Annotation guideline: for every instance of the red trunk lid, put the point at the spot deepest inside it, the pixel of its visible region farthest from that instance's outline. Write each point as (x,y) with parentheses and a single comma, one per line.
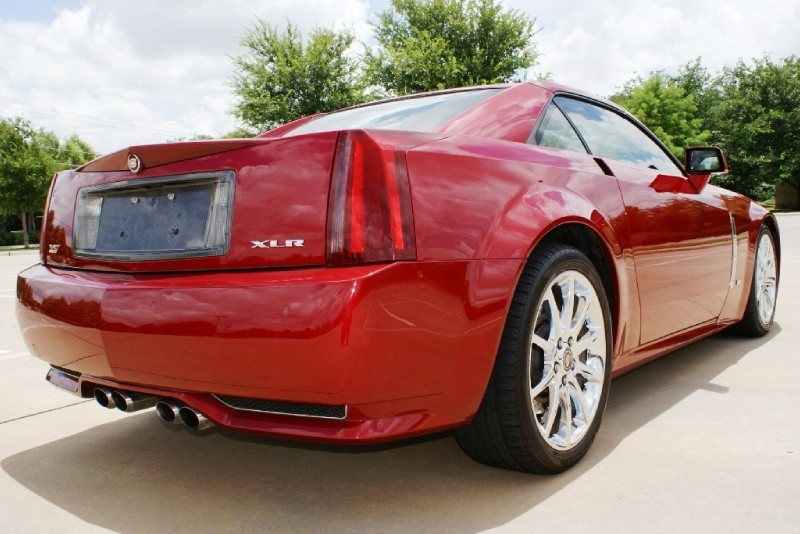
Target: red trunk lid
(157,218)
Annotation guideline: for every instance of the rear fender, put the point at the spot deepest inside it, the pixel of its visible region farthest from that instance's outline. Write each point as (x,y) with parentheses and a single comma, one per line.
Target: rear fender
(572,219)
(477,199)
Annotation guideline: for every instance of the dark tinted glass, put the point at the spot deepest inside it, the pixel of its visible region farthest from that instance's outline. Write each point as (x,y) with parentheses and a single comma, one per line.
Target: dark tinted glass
(419,114)
(611,135)
(555,131)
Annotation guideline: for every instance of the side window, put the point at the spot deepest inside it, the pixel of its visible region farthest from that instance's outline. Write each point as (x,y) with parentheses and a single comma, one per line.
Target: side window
(555,131)
(610,135)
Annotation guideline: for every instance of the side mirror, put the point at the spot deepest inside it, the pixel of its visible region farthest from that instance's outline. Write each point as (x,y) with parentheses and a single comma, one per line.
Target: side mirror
(701,161)
(705,160)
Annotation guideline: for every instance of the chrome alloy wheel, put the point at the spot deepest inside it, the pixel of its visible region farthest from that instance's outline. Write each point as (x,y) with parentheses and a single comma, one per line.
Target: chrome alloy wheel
(766,278)
(567,359)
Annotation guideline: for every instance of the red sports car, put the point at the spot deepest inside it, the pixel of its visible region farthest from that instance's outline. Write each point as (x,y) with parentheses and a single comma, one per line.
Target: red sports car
(482,260)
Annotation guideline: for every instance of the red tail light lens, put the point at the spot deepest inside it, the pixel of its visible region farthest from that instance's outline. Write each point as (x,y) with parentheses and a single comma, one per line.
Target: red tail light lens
(369,209)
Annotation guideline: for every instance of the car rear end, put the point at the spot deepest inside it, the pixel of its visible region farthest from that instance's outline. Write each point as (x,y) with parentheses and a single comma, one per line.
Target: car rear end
(270,285)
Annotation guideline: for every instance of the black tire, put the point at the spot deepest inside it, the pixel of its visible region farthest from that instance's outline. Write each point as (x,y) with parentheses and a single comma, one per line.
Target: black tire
(513,428)
(757,321)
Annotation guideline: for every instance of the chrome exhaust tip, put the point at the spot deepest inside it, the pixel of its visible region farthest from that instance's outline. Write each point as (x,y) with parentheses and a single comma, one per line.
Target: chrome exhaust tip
(132,402)
(194,419)
(168,411)
(103,397)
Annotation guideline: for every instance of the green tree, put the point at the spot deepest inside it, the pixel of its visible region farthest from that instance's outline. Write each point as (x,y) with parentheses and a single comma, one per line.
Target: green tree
(759,124)
(72,152)
(283,77)
(60,155)
(28,159)
(425,45)
(666,108)
(239,133)
(25,169)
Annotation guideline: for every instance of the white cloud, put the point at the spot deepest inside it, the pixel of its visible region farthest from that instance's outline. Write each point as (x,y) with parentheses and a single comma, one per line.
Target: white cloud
(121,73)
(597,46)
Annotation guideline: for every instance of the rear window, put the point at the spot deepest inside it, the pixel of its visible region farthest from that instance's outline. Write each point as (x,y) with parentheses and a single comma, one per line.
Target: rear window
(417,114)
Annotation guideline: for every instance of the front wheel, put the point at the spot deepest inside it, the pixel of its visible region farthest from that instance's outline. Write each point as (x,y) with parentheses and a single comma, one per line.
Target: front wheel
(760,310)
(548,390)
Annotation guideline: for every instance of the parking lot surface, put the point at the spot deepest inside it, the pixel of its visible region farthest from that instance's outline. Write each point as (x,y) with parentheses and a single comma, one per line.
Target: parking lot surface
(705,439)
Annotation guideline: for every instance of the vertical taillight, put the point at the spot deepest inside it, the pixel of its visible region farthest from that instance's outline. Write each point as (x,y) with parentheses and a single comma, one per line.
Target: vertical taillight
(369,209)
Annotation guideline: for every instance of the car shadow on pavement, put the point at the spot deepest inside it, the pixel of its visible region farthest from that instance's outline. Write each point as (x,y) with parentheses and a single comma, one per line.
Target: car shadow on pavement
(132,475)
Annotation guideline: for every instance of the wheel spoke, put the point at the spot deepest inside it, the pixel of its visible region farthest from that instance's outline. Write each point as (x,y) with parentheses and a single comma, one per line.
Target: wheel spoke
(768,301)
(577,325)
(590,374)
(586,341)
(555,314)
(546,345)
(767,257)
(543,383)
(552,408)
(567,417)
(568,305)
(579,395)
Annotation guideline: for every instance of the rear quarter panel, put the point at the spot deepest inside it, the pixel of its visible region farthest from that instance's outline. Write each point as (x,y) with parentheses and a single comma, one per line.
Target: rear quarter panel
(479,199)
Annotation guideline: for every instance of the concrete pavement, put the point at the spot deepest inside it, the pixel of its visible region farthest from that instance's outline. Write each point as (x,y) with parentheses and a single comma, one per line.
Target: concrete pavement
(706,439)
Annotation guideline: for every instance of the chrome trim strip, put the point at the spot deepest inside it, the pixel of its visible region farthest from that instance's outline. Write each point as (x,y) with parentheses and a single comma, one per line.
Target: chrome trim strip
(734,252)
(285,413)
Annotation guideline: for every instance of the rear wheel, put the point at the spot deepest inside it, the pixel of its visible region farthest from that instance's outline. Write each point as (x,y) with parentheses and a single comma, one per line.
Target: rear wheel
(549,386)
(760,311)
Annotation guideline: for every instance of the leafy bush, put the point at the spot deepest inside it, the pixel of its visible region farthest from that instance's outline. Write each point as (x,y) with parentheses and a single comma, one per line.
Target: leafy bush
(15,237)
(6,239)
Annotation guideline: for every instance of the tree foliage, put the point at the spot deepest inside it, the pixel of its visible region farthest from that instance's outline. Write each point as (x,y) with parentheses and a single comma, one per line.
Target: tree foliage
(24,166)
(422,45)
(425,45)
(283,77)
(759,122)
(699,83)
(666,108)
(752,110)
(28,159)
(72,152)
(239,133)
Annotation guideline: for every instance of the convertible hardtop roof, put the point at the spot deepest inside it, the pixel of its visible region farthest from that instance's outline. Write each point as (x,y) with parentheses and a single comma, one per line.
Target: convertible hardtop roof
(546,85)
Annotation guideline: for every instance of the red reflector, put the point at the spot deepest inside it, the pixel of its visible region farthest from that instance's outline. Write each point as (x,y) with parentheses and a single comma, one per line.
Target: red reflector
(369,210)
(396,223)
(357,233)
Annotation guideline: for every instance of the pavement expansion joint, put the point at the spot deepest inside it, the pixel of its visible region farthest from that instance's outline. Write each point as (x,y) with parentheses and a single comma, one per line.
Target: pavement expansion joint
(45,411)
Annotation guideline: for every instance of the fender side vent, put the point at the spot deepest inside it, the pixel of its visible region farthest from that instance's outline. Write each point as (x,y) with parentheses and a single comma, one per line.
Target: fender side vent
(319,411)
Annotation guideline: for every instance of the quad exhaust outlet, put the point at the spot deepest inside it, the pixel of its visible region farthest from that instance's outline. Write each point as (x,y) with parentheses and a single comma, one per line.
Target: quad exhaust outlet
(168,410)
(103,398)
(132,402)
(123,400)
(194,419)
(172,412)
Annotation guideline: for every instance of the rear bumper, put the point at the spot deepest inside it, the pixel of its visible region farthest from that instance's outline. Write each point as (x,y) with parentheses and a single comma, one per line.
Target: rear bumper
(406,347)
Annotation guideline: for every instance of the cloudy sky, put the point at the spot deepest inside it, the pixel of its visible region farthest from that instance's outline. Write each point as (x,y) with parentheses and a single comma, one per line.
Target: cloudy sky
(122,72)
